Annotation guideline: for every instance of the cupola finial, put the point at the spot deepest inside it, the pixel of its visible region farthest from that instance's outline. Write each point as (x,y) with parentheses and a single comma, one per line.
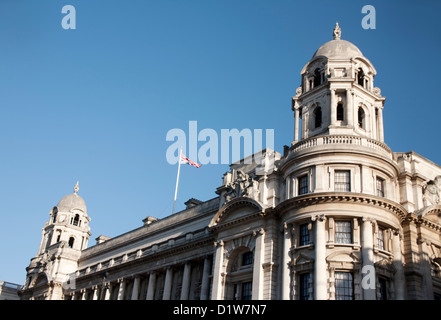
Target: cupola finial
(77,187)
(337,32)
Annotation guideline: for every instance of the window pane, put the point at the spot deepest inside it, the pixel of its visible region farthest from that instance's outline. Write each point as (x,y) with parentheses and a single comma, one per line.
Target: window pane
(247,288)
(304,286)
(304,235)
(247,258)
(342,181)
(380,239)
(344,287)
(343,232)
(303,184)
(380,187)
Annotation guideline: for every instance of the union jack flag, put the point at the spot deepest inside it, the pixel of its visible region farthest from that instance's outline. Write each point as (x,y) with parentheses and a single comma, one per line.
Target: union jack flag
(184,160)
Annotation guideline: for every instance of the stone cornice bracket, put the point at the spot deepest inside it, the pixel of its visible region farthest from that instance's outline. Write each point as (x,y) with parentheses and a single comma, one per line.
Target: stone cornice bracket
(258,232)
(219,243)
(317,217)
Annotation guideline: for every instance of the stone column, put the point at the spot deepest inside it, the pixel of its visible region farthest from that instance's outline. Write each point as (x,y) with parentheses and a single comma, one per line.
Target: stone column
(205,279)
(168,284)
(83,294)
(380,125)
(107,291)
(135,289)
(296,124)
(320,279)
(122,287)
(286,261)
(349,108)
(95,293)
(151,286)
(333,107)
(186,281)
(257,292)
(368,281)
(217,289)
(398,264)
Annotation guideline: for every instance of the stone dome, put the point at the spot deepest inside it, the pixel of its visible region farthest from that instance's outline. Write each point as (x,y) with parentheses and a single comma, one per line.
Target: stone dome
(338,49)
(72,201)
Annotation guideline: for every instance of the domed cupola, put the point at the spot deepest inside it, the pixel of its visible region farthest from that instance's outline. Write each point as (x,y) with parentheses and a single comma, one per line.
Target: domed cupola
(337,94)
(68,223)
(72,202)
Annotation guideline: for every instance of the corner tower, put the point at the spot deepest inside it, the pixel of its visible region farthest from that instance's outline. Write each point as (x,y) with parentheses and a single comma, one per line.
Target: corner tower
(64,236)
(337,95)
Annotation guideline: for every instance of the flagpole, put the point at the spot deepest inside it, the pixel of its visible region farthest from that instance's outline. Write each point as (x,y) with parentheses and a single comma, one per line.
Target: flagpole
(177,179)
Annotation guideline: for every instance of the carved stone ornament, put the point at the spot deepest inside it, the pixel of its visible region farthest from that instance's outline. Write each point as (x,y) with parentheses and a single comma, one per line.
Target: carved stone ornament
(244,186)
(298,91)
(337,32)
(432,192)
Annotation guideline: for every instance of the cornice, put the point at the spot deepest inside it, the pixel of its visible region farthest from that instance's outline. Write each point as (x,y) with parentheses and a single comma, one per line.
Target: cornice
(341,197)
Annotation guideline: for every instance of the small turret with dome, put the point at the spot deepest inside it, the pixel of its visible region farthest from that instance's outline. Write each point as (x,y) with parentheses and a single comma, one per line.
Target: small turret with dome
(337,94)
(69,222)
(64,236)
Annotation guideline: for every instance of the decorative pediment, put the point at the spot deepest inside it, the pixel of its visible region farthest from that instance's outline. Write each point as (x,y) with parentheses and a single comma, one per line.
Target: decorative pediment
(343,257)
(236,210)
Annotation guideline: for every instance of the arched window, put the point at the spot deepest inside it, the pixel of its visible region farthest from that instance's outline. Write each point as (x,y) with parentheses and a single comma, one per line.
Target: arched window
(76,220)
(317,78)
(361,118)
(340,111)
(360,77)
(317,117)
(71,242)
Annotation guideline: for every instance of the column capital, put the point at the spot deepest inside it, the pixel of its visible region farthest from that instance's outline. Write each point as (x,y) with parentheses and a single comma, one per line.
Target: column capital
(368,219)
(318,217)
(258,232)
(219,243)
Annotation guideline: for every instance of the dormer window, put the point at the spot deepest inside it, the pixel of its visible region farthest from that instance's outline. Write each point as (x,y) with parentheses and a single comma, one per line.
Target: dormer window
(317,78)
(360,77)
(75,220)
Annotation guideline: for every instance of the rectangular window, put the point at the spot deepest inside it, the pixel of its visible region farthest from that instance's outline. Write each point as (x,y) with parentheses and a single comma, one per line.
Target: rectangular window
(380,239)
(380,187)
(304,235)
(303,184)
(343,232)
(344,286)
(382,284)
(247,288)
(342,180)
(304,286)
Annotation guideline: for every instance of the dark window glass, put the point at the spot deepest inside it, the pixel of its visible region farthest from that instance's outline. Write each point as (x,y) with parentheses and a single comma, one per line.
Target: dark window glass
(247,289)
(382,284)
(340,112)
(304,235)
(304,286)
(344,286)
(317,117)
(303,184)
(247,258)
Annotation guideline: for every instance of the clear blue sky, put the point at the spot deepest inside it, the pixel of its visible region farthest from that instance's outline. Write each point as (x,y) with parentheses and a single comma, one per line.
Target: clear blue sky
(95,104)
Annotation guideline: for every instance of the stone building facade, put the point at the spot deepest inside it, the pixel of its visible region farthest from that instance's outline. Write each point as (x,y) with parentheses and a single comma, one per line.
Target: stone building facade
(337,216)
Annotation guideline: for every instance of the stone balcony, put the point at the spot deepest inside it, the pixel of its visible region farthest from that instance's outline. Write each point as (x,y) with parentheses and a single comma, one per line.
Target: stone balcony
(341,142)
